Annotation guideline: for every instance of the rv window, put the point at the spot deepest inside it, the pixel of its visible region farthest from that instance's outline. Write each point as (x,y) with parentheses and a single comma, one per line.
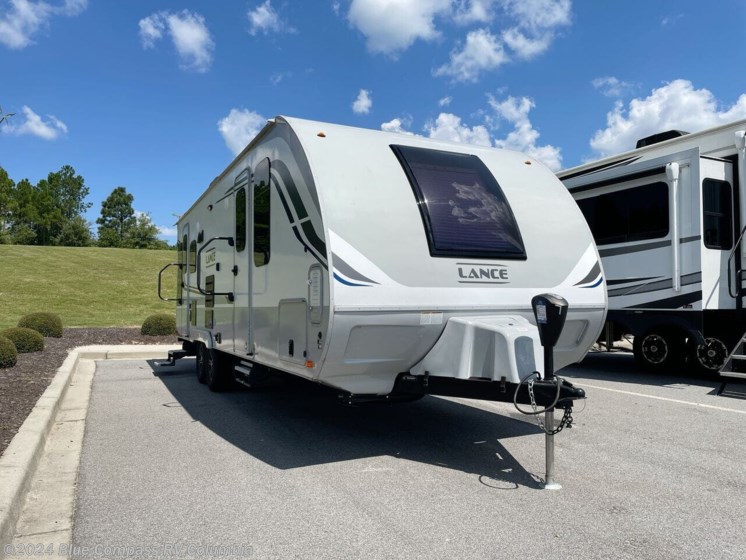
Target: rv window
(463,208)
(179,269)
(629,215)
(240,219)
(717,212)
(261,213)
(193,256)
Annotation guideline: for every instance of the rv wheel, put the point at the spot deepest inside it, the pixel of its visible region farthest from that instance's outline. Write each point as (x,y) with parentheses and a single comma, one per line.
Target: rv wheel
(215,374)
(201,363)
(657,350)
(712,354)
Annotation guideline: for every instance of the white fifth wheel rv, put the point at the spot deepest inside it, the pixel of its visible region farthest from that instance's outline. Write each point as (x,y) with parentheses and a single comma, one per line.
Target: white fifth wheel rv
(668,219)
(382,265)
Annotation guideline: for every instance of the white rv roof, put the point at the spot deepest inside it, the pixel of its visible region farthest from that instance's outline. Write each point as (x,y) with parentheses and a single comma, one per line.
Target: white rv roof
(716,141)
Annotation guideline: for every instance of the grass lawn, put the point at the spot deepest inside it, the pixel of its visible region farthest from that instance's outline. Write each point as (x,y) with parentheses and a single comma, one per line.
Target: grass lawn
(87,287)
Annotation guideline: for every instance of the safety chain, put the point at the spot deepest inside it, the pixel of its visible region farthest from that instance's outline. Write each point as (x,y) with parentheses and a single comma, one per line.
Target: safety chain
(565,422)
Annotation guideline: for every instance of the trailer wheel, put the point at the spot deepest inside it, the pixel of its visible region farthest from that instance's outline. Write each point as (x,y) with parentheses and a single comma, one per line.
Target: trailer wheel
(658,350)
(711,355)
(216,376)
(201,363)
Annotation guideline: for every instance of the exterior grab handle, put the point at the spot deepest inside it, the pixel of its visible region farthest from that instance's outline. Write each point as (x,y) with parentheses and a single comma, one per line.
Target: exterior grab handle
(160,274)
(199,268)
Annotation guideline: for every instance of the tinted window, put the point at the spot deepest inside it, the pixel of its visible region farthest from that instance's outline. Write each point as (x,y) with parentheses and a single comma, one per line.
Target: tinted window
(261,213)
(193,256)
(717,214)
(463,208)
(629,215)
(240,219)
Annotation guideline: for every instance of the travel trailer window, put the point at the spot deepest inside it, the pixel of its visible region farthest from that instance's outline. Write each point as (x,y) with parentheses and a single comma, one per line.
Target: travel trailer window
(717,213)
(240,219)
(463,208)
(629,215)
(193,256)
(261,213)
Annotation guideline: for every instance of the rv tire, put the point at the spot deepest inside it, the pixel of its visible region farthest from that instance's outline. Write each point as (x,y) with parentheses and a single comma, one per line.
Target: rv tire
(202,357)
(659,350)
(215,374)
(711,356)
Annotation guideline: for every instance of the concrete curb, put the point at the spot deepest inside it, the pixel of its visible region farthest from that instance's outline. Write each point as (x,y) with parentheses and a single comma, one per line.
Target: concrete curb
(21,458)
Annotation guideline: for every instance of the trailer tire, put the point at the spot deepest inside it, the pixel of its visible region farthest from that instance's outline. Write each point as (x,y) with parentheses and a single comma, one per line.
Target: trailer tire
(202,357)
(711,356)
(659,350)
(216,376)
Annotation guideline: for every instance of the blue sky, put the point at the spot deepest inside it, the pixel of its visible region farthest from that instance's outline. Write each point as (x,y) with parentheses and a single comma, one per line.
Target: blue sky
(158,96)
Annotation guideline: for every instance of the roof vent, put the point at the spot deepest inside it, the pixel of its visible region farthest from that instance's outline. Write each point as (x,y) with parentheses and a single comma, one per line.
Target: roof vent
(660,137)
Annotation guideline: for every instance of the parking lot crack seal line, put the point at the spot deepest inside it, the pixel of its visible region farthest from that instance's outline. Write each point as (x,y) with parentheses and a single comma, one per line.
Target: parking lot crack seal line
(678,401)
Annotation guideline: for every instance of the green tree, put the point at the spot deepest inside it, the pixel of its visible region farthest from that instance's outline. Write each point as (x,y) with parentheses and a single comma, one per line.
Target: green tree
(117,218)
(24,214)
(76,233)
(144,234)
(39,214)
(7,186)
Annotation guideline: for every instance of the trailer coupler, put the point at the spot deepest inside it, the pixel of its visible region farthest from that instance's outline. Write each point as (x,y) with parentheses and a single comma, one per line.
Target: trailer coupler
(544,391)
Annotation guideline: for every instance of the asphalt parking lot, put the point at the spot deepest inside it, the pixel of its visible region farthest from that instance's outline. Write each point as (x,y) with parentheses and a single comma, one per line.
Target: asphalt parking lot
(652,469)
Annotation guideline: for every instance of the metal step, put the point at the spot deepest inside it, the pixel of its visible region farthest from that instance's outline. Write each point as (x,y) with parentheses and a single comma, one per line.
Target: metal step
(173,355)
(734,374)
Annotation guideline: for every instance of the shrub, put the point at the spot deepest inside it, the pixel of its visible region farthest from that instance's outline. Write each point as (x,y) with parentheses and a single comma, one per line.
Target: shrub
(159,324)
(25,340)
(8,353)
(48,324)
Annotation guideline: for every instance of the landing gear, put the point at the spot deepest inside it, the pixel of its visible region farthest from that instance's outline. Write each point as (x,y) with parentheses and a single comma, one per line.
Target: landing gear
(711,355)
(659,350)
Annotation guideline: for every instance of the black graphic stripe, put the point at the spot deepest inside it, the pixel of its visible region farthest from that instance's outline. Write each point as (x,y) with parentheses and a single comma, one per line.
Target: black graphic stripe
(671,303)
(292,190)
(627,280)
(644,247)
(313,239)
(686,280)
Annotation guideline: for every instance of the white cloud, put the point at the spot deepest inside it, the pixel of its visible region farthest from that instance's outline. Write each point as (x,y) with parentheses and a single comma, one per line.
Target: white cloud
(671,19)
(277,77)
(445,101)
(673,106)
(363,103)
(33,125)
(524,137)
(449,127)
(466,12)
(265,19)
(398,125)
(392,26)
(536,24)
(168,231)
(189,34)
(612,87)
(24,18)
(481,52)
(239,128)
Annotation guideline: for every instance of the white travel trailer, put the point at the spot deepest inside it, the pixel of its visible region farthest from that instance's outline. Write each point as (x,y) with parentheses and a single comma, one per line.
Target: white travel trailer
(668,219)
(383,265)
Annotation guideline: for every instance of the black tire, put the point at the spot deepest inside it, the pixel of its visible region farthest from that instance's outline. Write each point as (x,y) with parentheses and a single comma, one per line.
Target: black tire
(201,365)
(216,376)
(711,356)
(659,350)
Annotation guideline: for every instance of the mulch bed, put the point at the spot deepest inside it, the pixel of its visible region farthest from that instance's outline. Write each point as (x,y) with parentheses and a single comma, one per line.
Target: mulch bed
(22,385)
